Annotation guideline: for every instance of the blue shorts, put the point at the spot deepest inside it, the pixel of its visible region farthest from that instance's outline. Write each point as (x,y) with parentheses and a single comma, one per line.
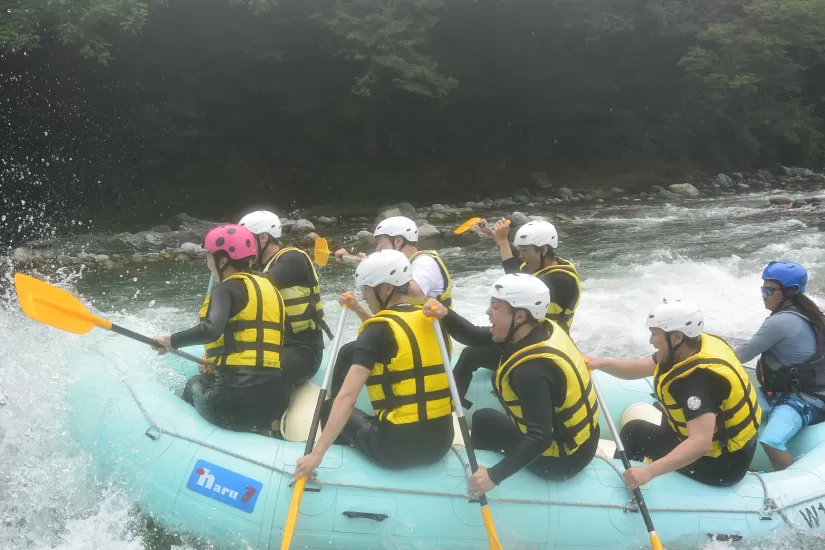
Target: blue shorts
(785,419)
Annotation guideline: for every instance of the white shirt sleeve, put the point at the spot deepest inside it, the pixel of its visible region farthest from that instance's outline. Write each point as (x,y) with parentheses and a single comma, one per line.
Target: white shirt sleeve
(427,274)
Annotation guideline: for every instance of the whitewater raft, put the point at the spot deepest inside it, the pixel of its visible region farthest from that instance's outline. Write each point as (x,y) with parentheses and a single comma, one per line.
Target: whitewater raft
(234,488)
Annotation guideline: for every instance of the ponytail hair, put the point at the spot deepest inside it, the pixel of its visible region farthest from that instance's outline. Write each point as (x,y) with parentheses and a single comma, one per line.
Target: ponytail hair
(810,310)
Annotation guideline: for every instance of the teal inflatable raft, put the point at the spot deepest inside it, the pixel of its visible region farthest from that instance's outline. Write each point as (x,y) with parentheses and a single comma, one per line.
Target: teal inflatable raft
(234,488)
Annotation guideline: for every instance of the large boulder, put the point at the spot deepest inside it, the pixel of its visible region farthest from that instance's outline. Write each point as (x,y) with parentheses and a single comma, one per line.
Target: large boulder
(522,196)
(518,218)
(781,199)
(406,208)
(308,240)
(23,256)
(389,213)
(303,226)
(723,179)
(438,208)
(743,186)
(191,248)
(685,189)
(428,231)
(326,220)
(566,193)
(365,237)
(439,216)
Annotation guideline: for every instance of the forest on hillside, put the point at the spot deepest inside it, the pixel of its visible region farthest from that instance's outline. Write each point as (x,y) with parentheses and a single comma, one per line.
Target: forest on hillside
(126,110)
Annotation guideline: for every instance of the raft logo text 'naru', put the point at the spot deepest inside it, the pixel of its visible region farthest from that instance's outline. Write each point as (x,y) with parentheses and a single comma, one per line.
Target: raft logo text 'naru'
(224,485)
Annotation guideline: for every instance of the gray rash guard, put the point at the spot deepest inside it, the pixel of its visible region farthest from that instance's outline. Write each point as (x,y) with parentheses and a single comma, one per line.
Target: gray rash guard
(789,338)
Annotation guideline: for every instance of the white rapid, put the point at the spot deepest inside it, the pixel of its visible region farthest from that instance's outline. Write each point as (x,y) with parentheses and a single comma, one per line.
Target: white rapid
(630,257)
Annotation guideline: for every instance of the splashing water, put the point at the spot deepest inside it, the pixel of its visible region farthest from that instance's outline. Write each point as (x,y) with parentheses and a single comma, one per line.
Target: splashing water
(711,252)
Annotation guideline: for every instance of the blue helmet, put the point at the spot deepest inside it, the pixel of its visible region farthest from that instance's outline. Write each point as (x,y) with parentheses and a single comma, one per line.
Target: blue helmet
(787,274)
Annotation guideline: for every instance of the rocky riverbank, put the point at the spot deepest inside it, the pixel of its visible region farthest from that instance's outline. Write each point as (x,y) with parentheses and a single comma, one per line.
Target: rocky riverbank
(179,239)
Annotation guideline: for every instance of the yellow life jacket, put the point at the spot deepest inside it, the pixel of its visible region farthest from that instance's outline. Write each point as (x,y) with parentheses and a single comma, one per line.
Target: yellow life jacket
(738,420)
(413,387)
(253,337)
(555,312)
(445,297)
(304,308)
(578,416)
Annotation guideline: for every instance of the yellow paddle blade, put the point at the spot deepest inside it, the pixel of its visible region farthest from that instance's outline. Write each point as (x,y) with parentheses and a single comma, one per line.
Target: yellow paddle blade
(492,537)
(292,515)
(54,306)
(464,227)
(322,252)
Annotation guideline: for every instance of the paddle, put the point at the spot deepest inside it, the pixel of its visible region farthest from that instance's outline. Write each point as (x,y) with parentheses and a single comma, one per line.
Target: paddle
(492,537)
(57,308)
(211,282)
(298,490)
(469,224)
(323,253)
(655,543)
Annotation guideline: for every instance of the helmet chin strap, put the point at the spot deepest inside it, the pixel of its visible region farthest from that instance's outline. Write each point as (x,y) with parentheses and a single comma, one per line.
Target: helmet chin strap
(382,303)
(513,328)
(671,349)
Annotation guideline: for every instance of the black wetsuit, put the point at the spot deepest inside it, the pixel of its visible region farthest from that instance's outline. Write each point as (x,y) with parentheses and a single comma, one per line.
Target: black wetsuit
(563,291)
(302,353)
(240,399)
(538,387)
(387,444)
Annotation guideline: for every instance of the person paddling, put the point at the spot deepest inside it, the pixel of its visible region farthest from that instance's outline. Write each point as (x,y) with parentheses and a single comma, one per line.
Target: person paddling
(291,272)
(551,419)
(396,356)
(430,277)
(533,252)
(791,366)
(710,410)
(241,328)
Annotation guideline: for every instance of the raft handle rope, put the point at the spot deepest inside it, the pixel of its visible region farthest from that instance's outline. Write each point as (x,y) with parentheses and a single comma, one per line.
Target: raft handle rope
(155,431)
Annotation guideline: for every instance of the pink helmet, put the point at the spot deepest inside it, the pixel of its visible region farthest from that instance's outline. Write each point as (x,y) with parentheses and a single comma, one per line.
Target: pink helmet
(236,240)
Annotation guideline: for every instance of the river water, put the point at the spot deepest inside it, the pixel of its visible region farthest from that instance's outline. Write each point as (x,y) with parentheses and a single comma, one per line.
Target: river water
(630,257)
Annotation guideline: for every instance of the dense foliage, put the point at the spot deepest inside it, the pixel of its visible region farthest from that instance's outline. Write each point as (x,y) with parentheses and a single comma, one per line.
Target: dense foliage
(209,105)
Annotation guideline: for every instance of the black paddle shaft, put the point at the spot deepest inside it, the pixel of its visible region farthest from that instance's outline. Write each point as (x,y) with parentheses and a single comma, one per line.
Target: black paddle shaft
(637,493)
(471,454)
(146,340)
(316,420)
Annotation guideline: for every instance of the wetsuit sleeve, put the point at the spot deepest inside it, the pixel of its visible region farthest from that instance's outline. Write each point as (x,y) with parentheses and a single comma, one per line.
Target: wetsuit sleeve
(375,344)
(291,269)
(563,289)
(227,299)
(465,332)
(700,393)
(512,265)
(532,383)
(769,334)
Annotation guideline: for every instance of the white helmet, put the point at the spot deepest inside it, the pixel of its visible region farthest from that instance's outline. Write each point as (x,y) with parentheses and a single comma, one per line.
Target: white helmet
(261,222)
(538,233)
(398,226)
(523,291)
(384,266)
(677,316)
